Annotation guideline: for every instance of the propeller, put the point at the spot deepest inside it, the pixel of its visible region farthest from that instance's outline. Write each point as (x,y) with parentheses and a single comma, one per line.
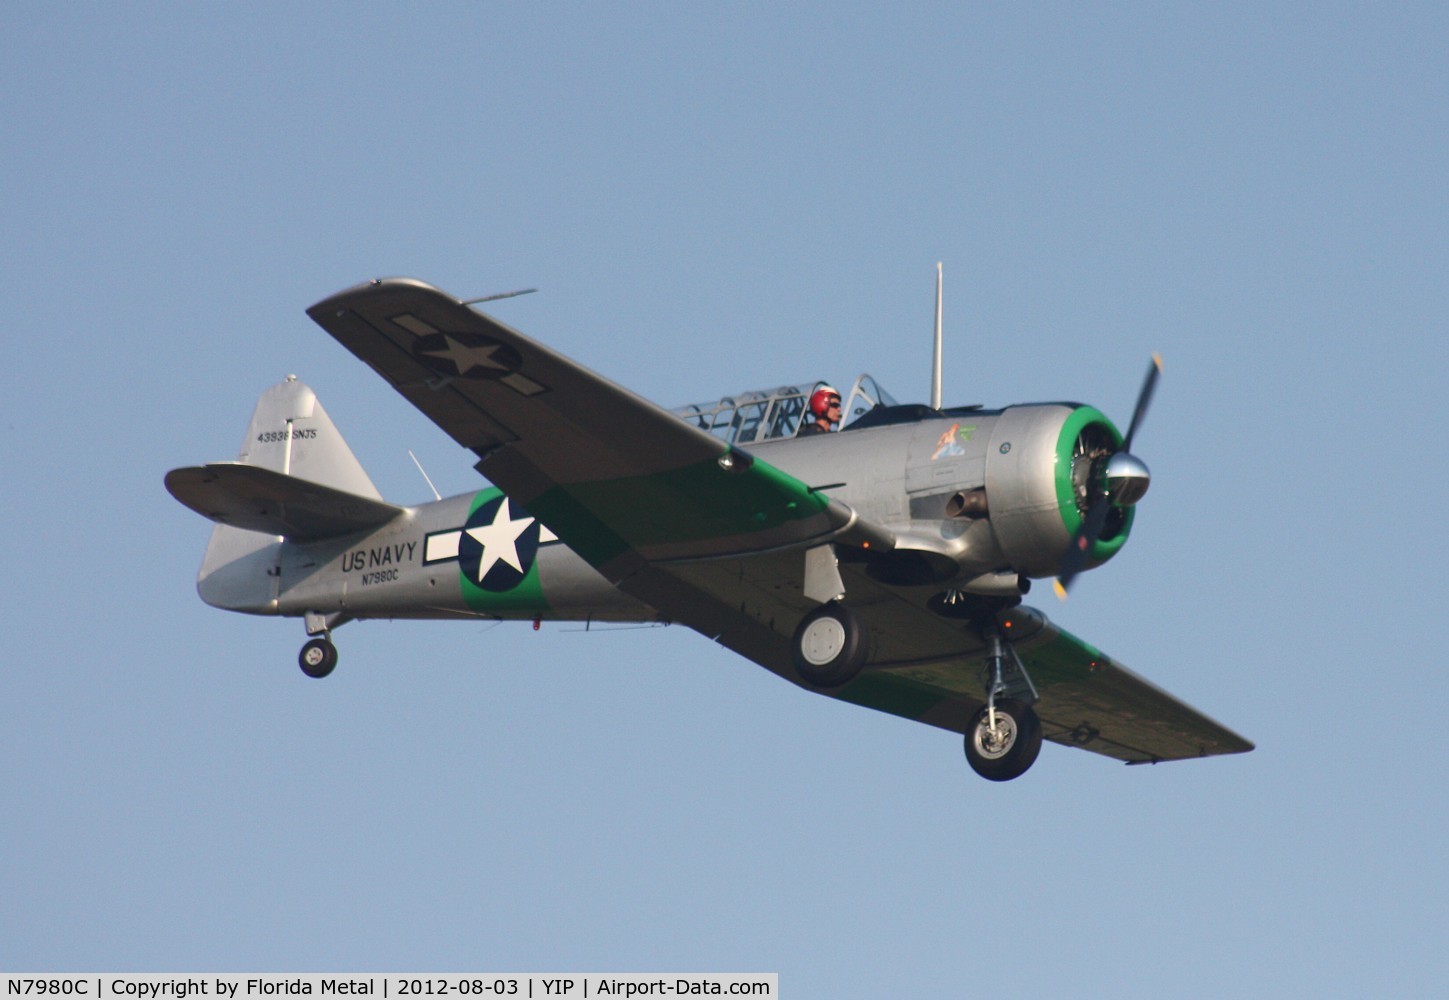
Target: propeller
(1119,479)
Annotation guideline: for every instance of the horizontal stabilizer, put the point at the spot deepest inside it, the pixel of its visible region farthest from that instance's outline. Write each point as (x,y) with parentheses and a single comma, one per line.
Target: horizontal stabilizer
(257,499)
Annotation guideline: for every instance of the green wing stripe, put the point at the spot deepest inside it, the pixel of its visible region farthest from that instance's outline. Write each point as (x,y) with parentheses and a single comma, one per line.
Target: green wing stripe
(692,512)
(886,692)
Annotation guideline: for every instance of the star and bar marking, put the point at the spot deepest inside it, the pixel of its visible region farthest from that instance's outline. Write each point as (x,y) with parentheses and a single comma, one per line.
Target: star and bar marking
(495,549)
(466,358)
(468,355)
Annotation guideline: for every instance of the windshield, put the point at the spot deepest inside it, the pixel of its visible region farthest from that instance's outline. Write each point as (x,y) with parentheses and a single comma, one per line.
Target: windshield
(775,414)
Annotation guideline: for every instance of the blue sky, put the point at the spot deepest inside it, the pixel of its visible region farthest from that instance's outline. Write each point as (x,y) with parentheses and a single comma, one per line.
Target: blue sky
(714,198)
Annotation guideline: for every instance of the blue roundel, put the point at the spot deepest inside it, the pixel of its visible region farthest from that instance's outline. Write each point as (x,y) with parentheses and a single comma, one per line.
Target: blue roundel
(498,545)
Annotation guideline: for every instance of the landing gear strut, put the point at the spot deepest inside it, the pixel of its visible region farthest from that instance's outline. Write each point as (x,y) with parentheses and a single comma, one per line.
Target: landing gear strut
(1004,737)
(318,657)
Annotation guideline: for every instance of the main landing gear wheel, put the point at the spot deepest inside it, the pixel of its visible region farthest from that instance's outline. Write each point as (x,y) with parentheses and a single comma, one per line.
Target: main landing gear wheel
(1008,751)
(829,646)
(318,658)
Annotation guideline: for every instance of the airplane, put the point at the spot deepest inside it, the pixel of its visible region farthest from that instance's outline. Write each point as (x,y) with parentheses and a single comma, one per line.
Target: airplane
(883,564)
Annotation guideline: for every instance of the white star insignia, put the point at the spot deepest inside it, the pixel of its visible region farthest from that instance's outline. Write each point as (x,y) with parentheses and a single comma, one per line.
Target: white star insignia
(499,540)
(466,358)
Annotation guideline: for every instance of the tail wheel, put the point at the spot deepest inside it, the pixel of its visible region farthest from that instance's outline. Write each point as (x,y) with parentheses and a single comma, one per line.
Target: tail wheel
(1007,751)
(829,646)
(318,658)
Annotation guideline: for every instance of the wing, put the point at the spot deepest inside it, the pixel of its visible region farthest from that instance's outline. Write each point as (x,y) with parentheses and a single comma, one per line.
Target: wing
(623,482)
(930,668)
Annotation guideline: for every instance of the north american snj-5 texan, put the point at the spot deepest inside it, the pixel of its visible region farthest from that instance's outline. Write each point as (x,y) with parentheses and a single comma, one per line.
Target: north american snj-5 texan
(882,562)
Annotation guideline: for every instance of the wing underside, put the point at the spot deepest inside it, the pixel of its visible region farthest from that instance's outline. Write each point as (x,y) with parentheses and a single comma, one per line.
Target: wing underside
(931,669)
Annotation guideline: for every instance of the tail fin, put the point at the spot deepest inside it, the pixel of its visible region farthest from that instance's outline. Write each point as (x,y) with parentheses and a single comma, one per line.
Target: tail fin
(291,434)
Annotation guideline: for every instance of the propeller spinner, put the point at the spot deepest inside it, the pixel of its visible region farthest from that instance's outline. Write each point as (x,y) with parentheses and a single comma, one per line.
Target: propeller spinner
(1115,479)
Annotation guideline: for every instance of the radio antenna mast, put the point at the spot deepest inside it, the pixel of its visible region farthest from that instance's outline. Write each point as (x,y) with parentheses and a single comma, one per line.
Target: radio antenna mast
(436,494)
(936,355)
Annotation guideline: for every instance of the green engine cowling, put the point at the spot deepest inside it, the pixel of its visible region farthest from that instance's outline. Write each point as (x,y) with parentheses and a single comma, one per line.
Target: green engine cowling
(1041,466)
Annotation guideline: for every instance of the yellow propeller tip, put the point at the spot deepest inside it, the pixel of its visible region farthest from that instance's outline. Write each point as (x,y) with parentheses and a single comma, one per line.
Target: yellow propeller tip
(1157,360)
(1060,590)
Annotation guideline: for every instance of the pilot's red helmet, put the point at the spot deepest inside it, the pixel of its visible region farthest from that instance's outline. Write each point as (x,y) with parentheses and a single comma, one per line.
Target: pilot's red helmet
(820,400)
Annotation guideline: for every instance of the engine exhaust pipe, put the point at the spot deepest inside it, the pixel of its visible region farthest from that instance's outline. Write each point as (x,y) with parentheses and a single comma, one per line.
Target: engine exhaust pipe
(1000,584)
(967,503)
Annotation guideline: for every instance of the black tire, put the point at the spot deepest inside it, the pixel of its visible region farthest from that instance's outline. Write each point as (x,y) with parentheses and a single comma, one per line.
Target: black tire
(829,646)
(318,658)
(1009,758)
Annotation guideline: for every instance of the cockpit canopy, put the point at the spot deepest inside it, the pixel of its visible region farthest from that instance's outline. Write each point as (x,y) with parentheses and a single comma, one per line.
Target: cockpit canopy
(774,414)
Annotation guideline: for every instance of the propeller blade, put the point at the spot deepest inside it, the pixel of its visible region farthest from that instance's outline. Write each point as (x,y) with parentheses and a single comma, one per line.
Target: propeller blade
(1087,534)
(1144,399)
(1131,476)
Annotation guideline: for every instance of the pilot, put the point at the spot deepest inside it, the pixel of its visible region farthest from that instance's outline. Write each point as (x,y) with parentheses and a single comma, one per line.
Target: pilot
(824,411)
